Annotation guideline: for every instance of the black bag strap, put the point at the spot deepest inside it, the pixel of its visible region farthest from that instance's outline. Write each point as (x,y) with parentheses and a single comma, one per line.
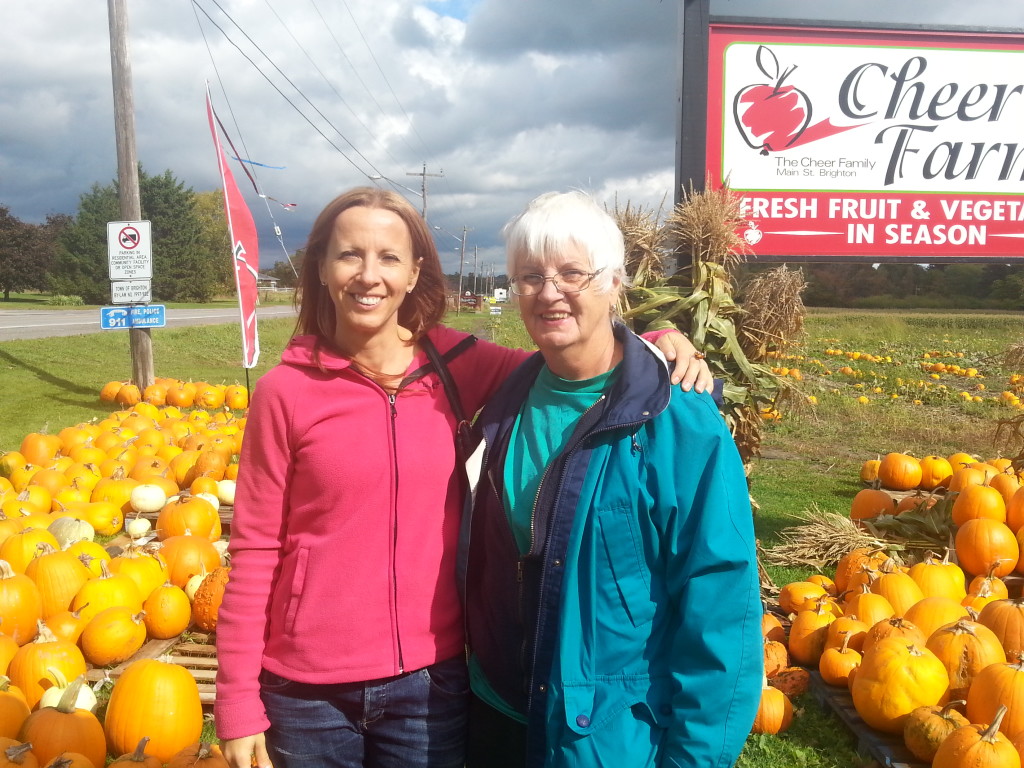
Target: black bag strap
(439,364)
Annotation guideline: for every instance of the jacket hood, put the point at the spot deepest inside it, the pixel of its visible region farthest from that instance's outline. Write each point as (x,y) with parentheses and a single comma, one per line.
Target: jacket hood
(309,352)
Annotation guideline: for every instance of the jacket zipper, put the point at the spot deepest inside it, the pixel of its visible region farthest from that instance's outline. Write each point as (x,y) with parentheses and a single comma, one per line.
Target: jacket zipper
(540,588)
(394,536)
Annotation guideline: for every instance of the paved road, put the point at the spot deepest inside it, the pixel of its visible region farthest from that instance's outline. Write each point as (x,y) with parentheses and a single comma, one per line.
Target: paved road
(41,323)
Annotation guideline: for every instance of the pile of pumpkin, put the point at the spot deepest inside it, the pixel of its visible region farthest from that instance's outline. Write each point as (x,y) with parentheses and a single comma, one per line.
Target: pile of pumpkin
(912,645)
(66,603)
(180,394)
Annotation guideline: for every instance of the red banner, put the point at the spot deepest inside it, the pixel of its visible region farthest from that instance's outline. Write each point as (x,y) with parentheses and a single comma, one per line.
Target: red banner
(245,250)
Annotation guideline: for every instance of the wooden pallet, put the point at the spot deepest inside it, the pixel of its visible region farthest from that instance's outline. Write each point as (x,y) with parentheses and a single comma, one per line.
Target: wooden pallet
(193,650)
(888,750)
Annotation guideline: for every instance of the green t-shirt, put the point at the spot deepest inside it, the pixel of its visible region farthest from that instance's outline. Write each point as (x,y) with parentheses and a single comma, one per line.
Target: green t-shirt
(542,429)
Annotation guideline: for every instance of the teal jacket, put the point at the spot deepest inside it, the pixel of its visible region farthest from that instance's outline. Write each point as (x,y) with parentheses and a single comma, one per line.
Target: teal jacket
(629,635)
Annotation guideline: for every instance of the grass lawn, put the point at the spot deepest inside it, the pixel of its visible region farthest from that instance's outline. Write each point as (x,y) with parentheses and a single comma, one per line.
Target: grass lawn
(870,372)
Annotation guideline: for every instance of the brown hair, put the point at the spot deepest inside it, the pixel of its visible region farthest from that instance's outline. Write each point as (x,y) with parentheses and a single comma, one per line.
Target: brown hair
(422,308)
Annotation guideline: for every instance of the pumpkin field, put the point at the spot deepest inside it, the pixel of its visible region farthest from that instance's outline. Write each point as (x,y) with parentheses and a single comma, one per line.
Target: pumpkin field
(887,510)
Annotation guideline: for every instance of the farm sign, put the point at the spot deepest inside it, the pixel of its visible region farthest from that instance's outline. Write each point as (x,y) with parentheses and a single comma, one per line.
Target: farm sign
(882,145)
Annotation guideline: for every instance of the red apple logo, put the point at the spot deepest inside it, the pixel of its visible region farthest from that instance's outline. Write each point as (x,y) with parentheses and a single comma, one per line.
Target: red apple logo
(752,234)
(771,116)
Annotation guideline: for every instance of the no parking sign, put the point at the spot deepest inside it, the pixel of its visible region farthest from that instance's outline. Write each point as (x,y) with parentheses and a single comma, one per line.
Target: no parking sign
(129,250)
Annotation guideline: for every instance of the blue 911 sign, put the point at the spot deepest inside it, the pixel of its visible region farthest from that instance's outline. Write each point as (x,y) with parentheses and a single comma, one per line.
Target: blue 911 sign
(143,316)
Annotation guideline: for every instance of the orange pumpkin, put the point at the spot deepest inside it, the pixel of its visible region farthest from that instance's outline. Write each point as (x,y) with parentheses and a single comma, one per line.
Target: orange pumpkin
(927,727)
(978,745)
(965,648)
(199,755)
(207,599)
(65,728)
(939,577)
(836,664)
(21,605)
(188,555)
(871,502)
(899,471)
(975,501)
(30,666)
(936,472)
(807,634)
(995,686)
(155,699)
(934,612)
(1006,619)
(774,712)
(894,679)
(984,545)
(13,709)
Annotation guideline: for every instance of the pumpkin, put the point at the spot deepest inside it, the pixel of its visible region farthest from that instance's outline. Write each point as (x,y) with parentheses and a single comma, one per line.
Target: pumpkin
(774,712)
(32,663)
(984,545)
(168,612)
(66,625)
(964,477)
(145,567)
(1006,619)
(199,755)
(939,577)
(53,730)
(68,530)
(19,548)
(40,448)
(14,709)
(965,648)
(1007,484)
(106,591)
(807,634)
(772,629)
(71,760)
(894,679)
(998,685)
(850,564)
(14,754)
(869,607)
(155,699)
(92,554)
(871,502)
(236,397)
(934,612)
(187,555)
(188,513)
(58,575)
(1015,511)
(8,647)
(977,501)
(51,696)
(148,498)
(869,470)
(138,758)
(207,599)
(847,629)
(897,587)
(899,471)
(977,600)
(978,746)
(792,681)
(896,627)
(836,664)
(927,727)
(995,585)
(113,635)
(21,605)
(936,472)
(776,657)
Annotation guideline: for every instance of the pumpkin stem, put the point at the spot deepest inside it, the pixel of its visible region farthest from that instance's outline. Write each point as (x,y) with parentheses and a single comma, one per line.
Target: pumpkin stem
(992,731)
(952,705)
(45,634)
(58,677)
(6,572)
(846,642)
(69,698)
(17,753)
(140,751)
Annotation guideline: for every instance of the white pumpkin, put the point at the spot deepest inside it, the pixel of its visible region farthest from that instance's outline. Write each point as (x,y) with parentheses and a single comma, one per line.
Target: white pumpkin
(147,498)
(226,492)
(214,501)
(137,527)
(86,698)
(68,530)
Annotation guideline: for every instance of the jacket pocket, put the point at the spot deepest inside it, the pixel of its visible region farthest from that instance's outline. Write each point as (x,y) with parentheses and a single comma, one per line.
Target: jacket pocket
(297,583)
(624,547)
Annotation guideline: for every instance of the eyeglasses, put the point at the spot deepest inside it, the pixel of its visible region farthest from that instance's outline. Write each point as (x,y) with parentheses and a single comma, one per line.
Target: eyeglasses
(566,281)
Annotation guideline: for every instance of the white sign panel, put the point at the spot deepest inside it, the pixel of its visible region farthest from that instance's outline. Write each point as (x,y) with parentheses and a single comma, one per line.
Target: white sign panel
(129,250)
(131,291)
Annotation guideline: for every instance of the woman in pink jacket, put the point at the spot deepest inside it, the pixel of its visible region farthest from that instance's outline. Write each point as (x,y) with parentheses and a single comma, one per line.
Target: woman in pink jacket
(340,638)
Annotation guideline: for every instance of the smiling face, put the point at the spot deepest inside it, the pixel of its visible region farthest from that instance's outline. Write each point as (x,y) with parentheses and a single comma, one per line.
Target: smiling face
(572,330)
(368,270)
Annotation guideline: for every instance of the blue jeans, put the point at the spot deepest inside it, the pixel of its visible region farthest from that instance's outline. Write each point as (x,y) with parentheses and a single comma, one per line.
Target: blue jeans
(415,720)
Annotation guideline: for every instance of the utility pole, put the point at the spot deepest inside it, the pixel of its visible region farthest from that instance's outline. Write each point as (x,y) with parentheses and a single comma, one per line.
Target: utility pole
(462,264)
(139,340)
(476,266)
(423,185)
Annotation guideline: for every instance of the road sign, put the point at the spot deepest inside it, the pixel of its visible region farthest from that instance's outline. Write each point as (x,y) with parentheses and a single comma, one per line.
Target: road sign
(131,291)
(129,250)
(143,316)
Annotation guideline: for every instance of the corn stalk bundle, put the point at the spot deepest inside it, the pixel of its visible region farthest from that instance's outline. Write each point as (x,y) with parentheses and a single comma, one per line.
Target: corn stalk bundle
(699,300)
(821,539)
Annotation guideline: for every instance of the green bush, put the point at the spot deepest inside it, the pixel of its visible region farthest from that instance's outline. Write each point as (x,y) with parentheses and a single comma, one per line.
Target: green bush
(63,300)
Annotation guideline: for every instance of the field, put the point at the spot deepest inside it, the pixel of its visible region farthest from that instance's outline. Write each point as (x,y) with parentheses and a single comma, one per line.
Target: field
(867,383)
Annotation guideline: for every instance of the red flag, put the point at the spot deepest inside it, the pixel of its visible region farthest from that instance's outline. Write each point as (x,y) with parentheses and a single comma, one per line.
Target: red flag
(244,249)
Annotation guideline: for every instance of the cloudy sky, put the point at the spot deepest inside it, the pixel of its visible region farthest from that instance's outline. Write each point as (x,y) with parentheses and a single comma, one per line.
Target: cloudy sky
(505,98)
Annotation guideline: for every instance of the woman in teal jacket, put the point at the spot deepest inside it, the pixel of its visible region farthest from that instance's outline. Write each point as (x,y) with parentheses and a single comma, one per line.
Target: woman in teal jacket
(608,561)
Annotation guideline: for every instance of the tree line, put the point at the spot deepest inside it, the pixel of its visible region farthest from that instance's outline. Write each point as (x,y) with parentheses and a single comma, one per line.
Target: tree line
(67,255)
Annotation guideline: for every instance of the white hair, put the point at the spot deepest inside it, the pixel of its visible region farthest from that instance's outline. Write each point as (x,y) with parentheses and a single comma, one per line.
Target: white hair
(554,220)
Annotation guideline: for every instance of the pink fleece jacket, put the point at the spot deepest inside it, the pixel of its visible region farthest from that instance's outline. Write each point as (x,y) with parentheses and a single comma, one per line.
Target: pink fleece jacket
(345,526)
